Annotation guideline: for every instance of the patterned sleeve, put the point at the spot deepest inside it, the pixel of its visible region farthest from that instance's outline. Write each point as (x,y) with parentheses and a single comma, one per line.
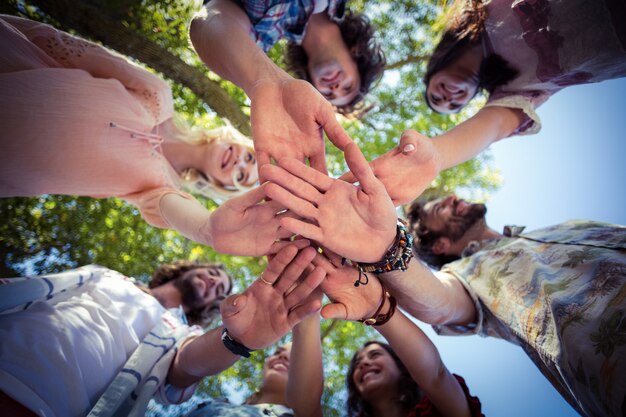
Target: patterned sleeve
(527,102)
(168,394)
(73,52)
(148,203)
(457,330)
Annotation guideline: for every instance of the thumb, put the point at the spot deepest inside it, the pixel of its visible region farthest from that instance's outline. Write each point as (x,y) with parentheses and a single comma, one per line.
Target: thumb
(334,311)
(348,177)
(233,305)
(408,142)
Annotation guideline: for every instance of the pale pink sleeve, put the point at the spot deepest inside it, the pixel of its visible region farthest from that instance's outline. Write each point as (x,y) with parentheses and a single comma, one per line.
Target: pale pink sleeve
(148,203)
(73,52)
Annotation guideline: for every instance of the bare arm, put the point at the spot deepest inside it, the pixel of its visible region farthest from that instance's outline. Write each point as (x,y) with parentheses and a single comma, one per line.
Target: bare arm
(286,114)
(408,169)
(432,298)
(306,374)
(474,135)
(422,359)
(219,35)
(257,318)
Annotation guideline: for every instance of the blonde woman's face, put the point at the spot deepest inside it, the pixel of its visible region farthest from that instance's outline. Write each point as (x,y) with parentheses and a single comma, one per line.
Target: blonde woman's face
(227,162)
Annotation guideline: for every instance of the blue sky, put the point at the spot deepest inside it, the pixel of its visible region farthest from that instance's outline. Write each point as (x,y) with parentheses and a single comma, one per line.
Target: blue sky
(574,168)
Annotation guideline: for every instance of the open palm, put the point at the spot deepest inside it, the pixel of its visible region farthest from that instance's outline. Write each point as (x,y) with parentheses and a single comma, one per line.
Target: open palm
(288,120)
(264,313)
(358,223)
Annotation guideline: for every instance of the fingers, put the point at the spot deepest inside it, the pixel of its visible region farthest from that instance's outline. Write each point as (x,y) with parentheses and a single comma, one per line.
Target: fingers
(336,134)
(292,183)
(249,199)
(278,264)
(348,177)
(294,270)
(322,262)
(318,162)
(299,206)
(263,158)
(307,174)
(233,305)
(305,288)
(360,168)
(408,141)
(299,313)
(335,311)
(302,228)
(278,246)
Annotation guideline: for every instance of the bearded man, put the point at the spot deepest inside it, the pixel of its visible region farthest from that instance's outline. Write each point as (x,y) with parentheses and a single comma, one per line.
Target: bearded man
(558,292)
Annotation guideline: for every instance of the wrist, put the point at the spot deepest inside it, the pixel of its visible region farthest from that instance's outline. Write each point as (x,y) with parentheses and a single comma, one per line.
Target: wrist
(267,73)
(397,256)
(386,309)
(234,346)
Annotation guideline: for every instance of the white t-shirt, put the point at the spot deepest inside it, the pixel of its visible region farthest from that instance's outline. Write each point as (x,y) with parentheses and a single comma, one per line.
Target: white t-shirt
(59,356)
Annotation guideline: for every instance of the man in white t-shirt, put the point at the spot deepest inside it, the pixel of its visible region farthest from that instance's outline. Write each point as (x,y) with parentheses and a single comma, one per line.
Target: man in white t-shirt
(90,339)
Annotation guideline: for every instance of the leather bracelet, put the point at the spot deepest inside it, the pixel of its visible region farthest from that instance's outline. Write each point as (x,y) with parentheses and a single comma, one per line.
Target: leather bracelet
(397,257)
(379,319)
(234,346)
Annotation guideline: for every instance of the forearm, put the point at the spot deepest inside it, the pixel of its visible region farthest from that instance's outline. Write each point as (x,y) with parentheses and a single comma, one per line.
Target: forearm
(220,37)
(432,299)
(202,356)
(306,374)
(188,217)
(474,135)
(420,356)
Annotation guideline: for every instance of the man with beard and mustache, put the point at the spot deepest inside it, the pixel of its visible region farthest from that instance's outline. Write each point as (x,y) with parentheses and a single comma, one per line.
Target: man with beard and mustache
(90,339)
(558,292)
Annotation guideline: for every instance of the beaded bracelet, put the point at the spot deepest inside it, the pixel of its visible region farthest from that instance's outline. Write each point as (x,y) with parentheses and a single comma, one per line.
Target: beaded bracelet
(397,257)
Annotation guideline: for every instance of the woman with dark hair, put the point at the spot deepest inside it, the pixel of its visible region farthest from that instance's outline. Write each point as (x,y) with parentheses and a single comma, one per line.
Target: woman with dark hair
(406,377)
(520,53)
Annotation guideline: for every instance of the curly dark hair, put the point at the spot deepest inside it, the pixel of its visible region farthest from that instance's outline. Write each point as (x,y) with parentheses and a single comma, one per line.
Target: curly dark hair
(409,393)
(424,239)
(464,30)
(358,34)
(169,272)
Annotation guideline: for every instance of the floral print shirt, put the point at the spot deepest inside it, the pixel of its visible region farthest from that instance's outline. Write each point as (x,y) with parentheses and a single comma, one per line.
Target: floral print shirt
(553,44)
(273,20)
(559,293)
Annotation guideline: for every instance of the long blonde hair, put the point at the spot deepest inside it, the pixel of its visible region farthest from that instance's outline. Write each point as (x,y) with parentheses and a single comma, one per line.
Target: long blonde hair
(195,181)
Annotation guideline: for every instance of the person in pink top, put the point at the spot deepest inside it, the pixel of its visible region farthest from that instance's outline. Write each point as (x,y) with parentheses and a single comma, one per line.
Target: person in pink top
(79,119)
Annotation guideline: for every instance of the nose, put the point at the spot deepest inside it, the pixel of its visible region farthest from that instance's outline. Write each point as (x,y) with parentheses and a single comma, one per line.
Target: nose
(449,200)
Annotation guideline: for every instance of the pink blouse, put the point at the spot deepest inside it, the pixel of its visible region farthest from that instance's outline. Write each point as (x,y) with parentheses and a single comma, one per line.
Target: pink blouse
(79,119)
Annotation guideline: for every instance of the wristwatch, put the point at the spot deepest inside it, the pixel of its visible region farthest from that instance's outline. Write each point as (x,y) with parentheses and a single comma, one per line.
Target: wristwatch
(235,347)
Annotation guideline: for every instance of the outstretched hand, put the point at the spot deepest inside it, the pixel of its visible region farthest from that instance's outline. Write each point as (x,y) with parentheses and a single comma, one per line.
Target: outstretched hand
(347,301)
(248,226)
(277,301)
(289,118)
(406,170)
(356,222)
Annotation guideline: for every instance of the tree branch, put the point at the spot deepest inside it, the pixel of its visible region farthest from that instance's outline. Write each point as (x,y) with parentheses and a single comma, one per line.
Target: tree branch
(414,59)
(90,21)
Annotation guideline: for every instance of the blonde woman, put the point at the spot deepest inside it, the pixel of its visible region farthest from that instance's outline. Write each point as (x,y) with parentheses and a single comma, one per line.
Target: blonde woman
(79,119)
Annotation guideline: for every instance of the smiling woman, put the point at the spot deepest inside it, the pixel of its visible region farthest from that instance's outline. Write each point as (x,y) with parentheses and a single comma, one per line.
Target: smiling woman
(83,120)
(217,163)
